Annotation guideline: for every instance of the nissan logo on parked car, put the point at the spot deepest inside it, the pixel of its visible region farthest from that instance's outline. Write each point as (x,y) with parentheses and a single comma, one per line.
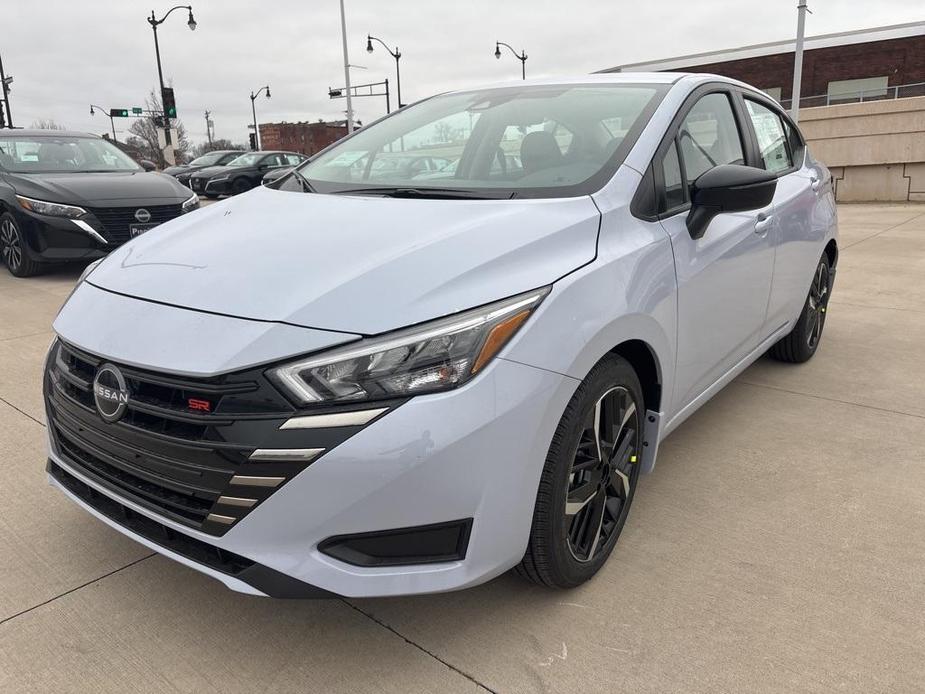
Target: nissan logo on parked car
(142,215)
(110,393)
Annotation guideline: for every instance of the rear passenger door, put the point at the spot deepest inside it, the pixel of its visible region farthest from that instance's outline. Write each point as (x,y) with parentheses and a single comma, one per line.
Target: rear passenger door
(724,277)
(780,150)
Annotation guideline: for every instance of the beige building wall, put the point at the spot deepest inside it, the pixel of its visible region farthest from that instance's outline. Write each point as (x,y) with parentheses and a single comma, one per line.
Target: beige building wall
(875,149)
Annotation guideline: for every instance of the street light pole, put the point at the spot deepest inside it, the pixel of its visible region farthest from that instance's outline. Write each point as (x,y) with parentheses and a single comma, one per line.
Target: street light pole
(112,121)
(802,9)
(395,54)
(343,31)
(208,129)
(6,95)
(522,56)
(155,23)
(254,113)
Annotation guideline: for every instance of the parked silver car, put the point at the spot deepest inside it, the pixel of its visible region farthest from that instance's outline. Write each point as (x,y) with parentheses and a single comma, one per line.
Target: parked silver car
(367,385)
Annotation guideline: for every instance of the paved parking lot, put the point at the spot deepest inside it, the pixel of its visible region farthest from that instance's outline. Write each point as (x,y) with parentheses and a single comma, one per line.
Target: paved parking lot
(778,546)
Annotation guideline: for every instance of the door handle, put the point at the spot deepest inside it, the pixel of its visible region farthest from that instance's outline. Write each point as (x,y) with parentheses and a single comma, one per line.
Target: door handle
(763,223)
(816,183)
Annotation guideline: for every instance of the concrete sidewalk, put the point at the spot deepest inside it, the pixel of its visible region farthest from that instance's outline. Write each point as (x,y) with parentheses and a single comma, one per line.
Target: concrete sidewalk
(778,546)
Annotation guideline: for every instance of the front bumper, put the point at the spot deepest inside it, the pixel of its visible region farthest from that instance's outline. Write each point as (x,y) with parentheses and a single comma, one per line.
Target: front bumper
(473,453)
(57,239)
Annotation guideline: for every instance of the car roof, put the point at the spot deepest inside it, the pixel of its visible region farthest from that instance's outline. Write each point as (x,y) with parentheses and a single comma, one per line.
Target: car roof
(37,132)
(628,78)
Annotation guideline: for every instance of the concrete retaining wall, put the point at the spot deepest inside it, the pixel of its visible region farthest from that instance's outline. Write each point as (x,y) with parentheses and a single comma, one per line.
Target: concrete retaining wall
(875,149)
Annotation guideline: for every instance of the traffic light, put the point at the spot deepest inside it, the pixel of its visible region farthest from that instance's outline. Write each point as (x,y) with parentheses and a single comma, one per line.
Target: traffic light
(118,113)
(170,106)
(253,137)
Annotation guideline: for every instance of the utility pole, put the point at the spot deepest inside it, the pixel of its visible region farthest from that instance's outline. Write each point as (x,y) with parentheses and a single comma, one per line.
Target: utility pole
(343,30)
(802,9)
(6,94)
(208,128)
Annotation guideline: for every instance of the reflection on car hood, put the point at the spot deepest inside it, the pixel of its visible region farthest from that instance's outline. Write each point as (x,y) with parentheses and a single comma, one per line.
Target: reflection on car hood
(101,188)
(352,263)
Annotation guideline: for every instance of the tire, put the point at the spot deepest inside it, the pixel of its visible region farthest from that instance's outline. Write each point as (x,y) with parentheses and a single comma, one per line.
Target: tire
(801,343)
(582,503)
(240,185)
(12,248)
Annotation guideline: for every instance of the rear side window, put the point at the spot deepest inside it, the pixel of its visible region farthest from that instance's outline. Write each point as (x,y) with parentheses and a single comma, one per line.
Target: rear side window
(772,139)
(709,136)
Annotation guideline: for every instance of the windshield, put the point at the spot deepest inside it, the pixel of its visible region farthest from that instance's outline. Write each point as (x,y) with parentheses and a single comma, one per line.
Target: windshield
(62,154)
(249,159)
(210,159)
(532,141)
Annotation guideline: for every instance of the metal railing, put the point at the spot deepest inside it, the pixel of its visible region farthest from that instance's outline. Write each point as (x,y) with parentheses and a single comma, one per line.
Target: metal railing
(896,92)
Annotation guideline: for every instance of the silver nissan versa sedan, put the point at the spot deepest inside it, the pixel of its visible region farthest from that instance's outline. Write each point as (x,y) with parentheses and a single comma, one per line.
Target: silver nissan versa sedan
(374,378)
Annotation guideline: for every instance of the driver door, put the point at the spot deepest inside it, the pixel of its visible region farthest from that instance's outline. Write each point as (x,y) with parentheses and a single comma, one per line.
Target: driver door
(724,277)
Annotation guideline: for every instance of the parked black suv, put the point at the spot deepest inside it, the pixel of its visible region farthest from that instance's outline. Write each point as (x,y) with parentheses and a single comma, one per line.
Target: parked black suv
(72,196)
(242,173)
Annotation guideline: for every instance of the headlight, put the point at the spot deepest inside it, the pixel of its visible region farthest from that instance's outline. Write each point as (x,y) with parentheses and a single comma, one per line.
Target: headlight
(435,356)
(52,209)
(191,204)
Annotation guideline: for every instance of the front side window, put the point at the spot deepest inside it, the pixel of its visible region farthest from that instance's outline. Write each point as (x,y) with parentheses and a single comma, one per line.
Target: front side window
(675,194)
(532,141)
(772,140)
(709,136)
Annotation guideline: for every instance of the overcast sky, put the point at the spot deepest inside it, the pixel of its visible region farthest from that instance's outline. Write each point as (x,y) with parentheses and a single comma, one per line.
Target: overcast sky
(65,54)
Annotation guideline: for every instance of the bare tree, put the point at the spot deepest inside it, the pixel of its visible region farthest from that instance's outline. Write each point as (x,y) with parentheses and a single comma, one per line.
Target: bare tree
(144,134)
(47,124)
(220,143)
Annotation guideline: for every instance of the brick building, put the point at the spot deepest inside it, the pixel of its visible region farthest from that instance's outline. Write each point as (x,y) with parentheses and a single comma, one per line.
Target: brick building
(305,138)
(886,62)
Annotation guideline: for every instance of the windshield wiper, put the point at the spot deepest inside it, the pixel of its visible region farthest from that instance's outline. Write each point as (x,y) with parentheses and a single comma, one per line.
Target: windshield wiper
(437,193)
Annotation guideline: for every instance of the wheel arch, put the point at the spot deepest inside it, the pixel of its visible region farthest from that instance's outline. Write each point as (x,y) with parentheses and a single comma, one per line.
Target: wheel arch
(642,357)
(831,251)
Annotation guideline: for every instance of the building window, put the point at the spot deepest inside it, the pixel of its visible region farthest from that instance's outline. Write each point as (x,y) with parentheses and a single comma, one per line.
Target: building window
(845,91)
(773,92)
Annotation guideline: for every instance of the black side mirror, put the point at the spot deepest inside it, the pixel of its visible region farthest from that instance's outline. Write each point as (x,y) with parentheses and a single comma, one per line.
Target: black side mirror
(728,188)
(148,165)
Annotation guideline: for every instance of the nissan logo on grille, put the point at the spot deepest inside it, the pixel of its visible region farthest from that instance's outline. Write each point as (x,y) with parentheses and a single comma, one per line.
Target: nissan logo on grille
(142,215)
(110,393)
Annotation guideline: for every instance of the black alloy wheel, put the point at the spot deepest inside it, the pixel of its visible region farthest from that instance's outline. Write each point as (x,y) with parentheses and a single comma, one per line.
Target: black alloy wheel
(801,343)
(240,185)
(589,478)
(603,474)
(11,246)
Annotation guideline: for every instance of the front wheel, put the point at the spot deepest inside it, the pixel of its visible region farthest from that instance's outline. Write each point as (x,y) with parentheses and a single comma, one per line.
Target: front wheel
(589,478)
(240,185)
(801,343)
(12,246)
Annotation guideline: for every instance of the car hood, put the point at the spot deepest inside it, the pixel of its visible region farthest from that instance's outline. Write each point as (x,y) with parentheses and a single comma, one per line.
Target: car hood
(356,264)
(101,188)
(179,168)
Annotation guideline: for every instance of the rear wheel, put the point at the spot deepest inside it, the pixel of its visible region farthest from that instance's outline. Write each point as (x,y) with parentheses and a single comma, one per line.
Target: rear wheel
(589,478)
(12,247)
(801,343)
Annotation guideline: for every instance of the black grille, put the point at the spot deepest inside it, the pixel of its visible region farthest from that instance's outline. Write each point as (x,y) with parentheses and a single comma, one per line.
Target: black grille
(179,441)
(117,220)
